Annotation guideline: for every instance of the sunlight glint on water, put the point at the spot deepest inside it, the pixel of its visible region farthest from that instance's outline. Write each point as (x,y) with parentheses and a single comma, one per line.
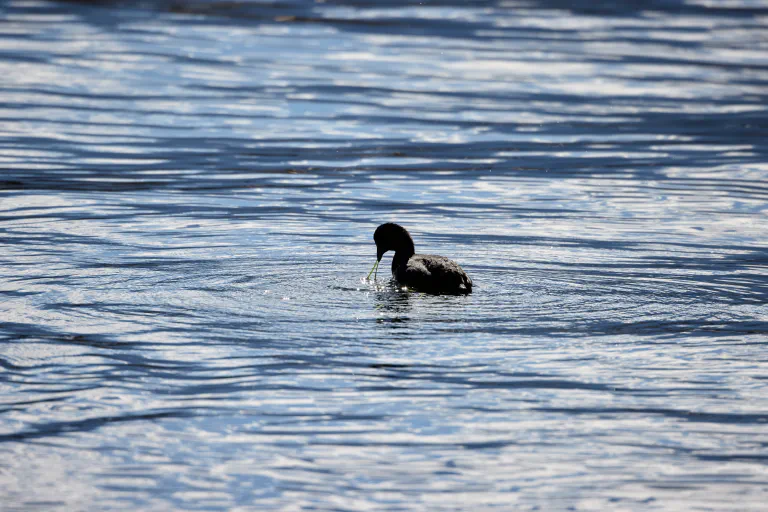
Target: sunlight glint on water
(188,195)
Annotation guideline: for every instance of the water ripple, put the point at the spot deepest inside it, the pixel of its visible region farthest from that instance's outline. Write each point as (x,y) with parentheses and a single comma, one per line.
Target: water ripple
(188,192)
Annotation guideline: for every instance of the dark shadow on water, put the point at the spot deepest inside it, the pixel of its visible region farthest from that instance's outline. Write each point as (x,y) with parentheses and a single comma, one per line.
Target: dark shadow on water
(59,428)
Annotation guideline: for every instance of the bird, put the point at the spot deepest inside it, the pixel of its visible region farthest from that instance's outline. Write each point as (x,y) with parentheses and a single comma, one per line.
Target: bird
(423,272)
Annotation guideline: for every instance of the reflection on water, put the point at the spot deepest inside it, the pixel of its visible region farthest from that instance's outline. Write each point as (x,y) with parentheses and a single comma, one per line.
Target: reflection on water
(188,193)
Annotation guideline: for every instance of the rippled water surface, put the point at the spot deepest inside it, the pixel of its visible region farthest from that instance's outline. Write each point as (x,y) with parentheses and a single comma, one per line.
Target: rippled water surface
(188,193)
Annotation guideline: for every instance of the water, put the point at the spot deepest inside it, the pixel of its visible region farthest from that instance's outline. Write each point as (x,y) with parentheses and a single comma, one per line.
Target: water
(188,198)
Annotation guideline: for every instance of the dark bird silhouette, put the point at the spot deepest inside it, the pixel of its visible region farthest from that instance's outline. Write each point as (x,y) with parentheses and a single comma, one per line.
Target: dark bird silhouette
(423,272)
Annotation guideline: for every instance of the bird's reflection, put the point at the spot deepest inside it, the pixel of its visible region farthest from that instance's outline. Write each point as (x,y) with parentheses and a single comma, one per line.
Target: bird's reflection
(393,303)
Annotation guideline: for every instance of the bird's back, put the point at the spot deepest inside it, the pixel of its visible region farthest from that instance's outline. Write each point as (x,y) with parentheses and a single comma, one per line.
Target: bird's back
(430,272)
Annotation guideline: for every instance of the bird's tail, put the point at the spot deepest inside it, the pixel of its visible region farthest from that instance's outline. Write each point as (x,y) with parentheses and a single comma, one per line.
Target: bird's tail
(467,282)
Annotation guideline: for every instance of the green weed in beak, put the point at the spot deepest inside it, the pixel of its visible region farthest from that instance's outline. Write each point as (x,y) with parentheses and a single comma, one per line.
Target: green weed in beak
(375,268)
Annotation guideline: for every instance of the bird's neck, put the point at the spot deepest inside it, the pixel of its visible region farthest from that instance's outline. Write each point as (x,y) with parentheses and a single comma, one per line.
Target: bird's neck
(403,253)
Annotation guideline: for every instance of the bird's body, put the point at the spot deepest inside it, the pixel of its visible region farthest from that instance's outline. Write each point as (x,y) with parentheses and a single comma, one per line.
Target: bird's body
(424,272)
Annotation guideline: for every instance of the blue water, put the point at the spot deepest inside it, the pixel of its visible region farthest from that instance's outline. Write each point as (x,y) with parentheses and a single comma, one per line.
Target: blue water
(188,194)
